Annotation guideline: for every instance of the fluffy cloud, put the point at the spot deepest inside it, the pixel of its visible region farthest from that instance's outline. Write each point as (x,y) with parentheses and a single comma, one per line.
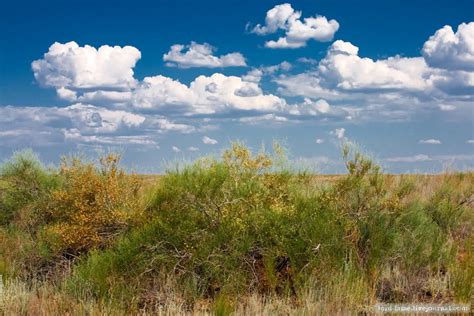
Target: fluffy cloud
(320,110)
(73,67)
(162,92)
(175,149)
(66,94)
(319,140)
(449,50)
(446,107)
(209,141)
(99,120)
(343,69)
(310,107)
(297,32)
(271,117)
(415,158)
(200,55)
(219,92)
(338,132)
(276,18)
(205,95)
(430,141)
(163,124)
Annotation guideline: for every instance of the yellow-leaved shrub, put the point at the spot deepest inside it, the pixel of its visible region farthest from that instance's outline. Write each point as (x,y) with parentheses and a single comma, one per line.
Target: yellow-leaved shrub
(94,205)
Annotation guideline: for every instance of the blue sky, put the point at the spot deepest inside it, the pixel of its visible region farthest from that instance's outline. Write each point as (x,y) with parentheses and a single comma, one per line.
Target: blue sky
(164,81)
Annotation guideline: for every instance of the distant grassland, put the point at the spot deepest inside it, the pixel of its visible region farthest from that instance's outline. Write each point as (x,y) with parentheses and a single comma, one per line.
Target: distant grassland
(243,234)
(426,184)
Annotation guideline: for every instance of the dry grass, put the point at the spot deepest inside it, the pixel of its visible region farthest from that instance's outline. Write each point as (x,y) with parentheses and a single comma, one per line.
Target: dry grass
(42,299)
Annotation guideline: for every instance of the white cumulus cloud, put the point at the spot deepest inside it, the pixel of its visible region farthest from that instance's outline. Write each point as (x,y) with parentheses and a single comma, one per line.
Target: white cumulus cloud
(270,117)
(100,120)
(256,74)
(297,31)
(451,50)
(209,141)
(72,67)
(310,107)
(430,141)
(447,107)
(415,158)
(201,55)
(66,94)
(205,95)
(339,132)
(342,68)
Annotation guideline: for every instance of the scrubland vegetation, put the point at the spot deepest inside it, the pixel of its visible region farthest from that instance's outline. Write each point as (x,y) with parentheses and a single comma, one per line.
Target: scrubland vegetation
(242,234)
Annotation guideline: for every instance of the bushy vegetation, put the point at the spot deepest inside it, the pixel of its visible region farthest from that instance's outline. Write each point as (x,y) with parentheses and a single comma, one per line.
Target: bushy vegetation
(50,217)
(237,233)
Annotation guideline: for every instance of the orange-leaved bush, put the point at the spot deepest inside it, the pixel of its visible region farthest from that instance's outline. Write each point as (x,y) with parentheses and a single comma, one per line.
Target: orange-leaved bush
(94,205)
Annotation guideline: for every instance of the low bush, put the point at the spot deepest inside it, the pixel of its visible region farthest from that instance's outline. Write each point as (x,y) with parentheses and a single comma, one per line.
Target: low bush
(52,216)
(24,182)
(92,207)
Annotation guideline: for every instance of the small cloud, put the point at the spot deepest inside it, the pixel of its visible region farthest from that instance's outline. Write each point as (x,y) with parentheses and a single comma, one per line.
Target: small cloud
(306,60)
(201,55)
(176,149)
(297,31)
(66,94)
(430,141)
(283,66)
(338,132)
(447,107)
(263,118)
(192,148)
(209,141)
(256,74)
(470,141)
(416,158)
(319,141)
(312,108)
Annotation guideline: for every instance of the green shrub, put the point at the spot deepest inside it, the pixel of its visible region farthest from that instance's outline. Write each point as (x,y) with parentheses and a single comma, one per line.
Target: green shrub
(24,181)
